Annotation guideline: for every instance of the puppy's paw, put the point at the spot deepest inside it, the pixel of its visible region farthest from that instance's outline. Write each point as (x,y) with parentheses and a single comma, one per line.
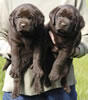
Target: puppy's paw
(67,89)
(37,72)
(14,73)
(37,86)
(15,93)
(54,75)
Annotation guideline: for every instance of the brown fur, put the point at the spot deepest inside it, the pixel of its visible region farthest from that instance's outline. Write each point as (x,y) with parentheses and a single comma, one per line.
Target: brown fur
(65,26)
(26,34)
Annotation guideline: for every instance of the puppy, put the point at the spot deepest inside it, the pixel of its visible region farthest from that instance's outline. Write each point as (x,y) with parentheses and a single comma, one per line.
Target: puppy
(25,37)
(65,31)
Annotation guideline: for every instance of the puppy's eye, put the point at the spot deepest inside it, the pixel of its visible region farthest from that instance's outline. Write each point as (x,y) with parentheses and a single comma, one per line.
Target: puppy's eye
(60,15)
(30,17)
(18,17)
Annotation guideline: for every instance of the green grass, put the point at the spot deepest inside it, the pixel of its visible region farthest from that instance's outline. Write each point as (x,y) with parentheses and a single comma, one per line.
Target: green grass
(81,73)
(2,61)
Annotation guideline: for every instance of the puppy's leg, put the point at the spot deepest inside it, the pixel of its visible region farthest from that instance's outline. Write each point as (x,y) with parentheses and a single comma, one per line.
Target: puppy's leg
(16,89)
(54,74)
(59,69)
(38,85)
(64,84)
(16,62)
(37,66)
(64,79)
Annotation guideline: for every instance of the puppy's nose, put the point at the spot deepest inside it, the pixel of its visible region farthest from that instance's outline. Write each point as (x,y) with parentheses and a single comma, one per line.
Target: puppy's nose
(23,25)
(63,24)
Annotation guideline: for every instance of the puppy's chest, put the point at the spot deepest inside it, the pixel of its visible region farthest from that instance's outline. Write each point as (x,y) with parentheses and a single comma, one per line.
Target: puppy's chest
(62,42)
(26,47)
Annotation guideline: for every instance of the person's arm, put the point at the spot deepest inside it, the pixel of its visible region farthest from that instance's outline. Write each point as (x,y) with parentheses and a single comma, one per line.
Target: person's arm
(82,49)
(4,14)
(82,6)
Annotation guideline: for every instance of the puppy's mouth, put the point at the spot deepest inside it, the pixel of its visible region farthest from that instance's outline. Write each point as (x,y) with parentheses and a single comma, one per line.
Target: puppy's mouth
(25,30)
(24,33)
(61,31)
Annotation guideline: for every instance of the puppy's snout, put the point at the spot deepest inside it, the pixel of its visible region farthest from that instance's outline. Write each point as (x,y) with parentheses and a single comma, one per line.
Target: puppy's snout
(23,25)
(63,24)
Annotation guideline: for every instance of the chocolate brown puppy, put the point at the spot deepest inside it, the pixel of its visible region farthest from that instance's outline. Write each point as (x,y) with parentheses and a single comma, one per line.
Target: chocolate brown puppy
(65,31)
(25,37)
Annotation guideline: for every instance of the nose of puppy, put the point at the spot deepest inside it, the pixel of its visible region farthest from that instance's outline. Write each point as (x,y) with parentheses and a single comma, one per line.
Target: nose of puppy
(63,24)
(23,25)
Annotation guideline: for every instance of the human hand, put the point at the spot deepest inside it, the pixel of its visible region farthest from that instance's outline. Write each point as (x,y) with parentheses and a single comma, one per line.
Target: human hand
(75,52)
(5,49)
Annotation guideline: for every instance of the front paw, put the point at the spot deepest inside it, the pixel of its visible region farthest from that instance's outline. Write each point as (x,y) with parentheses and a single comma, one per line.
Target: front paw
(37,86)
(67,89)
(54,75)
(14,73)
(15,93)
(37,72)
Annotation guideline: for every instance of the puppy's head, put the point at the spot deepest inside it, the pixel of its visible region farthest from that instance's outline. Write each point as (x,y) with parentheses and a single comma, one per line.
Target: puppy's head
(26,18)
(66,20)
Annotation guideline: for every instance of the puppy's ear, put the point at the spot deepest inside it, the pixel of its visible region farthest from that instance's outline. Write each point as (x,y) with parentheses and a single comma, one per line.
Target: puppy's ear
(52,14)
(12,28)
(11,18)
(82,22)
(39,17)
(79,24)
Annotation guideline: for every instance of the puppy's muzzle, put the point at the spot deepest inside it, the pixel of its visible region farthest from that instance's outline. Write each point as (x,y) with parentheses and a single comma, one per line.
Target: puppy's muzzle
(23,26)
(63,24)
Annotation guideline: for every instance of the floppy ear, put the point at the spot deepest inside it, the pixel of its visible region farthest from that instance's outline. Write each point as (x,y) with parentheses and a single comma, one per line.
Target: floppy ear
(79,24)
(11,18)
(82,22)
(12,28)
(39,17)
(52,14)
